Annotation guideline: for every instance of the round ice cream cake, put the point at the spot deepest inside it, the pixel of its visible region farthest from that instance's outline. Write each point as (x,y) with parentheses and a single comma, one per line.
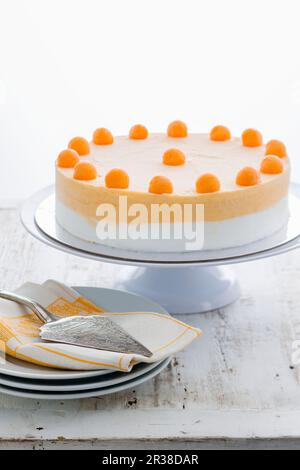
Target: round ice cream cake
(173,191)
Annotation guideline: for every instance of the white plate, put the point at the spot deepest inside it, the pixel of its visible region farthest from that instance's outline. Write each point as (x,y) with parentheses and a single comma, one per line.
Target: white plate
(91,383)
(111,300)
(16,368)
(84,394)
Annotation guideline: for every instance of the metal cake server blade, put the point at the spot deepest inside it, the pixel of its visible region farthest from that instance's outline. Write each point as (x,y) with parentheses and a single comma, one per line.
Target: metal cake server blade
(92,331)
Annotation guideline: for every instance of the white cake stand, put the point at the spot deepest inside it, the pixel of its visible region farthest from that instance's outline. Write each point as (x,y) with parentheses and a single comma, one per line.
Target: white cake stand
(188,282)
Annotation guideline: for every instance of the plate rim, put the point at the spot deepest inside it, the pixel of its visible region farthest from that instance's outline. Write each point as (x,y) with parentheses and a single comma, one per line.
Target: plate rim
(122,378)
(87,394)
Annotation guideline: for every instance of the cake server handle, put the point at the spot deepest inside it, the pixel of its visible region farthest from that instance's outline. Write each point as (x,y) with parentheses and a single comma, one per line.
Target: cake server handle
(40,312)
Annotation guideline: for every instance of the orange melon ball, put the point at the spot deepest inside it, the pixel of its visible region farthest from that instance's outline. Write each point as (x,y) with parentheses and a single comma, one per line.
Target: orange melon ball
(220,134)
(138,132)
(85,171)
(252,138)
(68,159)
(81,146)
(103,137)
(177,129)
(208,183)
(117,179)
(160,185)
(276,147)
(248,176)
(174,157)
(272,165)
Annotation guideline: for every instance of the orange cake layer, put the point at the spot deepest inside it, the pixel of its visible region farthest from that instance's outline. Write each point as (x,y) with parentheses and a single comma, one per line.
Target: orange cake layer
(186,167)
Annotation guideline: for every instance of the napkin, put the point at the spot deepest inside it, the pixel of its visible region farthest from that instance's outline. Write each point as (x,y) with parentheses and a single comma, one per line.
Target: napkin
(19,331)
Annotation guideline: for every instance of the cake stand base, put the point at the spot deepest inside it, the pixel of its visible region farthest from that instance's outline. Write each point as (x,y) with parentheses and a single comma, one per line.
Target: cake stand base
(185,289)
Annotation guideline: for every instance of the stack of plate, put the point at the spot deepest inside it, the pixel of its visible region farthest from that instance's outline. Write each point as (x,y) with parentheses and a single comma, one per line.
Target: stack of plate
(26,380)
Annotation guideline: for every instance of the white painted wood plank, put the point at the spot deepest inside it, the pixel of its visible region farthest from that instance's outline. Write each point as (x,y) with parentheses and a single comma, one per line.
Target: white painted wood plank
(238,381)
(142,424)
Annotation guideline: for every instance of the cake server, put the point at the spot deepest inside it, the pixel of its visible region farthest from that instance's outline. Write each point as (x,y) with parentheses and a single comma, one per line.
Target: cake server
(91,331)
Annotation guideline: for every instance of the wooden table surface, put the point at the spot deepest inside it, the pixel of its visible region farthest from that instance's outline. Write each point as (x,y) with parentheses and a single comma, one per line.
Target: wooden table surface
(235,388)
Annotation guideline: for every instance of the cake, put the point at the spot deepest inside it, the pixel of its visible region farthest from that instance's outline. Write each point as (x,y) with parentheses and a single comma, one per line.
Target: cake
(234,191)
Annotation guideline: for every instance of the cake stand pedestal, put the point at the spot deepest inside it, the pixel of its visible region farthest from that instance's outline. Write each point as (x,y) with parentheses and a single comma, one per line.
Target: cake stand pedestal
(191,282)
(190,289)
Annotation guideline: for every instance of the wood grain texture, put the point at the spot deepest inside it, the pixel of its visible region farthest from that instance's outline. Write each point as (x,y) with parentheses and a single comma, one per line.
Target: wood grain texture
(235,388)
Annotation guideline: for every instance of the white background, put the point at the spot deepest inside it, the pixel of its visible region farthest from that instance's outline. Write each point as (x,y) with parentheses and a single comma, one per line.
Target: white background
(69,66)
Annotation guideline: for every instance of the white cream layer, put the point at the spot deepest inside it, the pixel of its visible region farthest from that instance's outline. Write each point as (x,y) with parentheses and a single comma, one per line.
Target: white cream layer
(229,233)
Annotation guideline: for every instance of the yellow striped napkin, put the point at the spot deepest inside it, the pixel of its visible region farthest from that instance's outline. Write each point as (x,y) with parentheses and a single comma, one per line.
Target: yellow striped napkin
(19,331)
